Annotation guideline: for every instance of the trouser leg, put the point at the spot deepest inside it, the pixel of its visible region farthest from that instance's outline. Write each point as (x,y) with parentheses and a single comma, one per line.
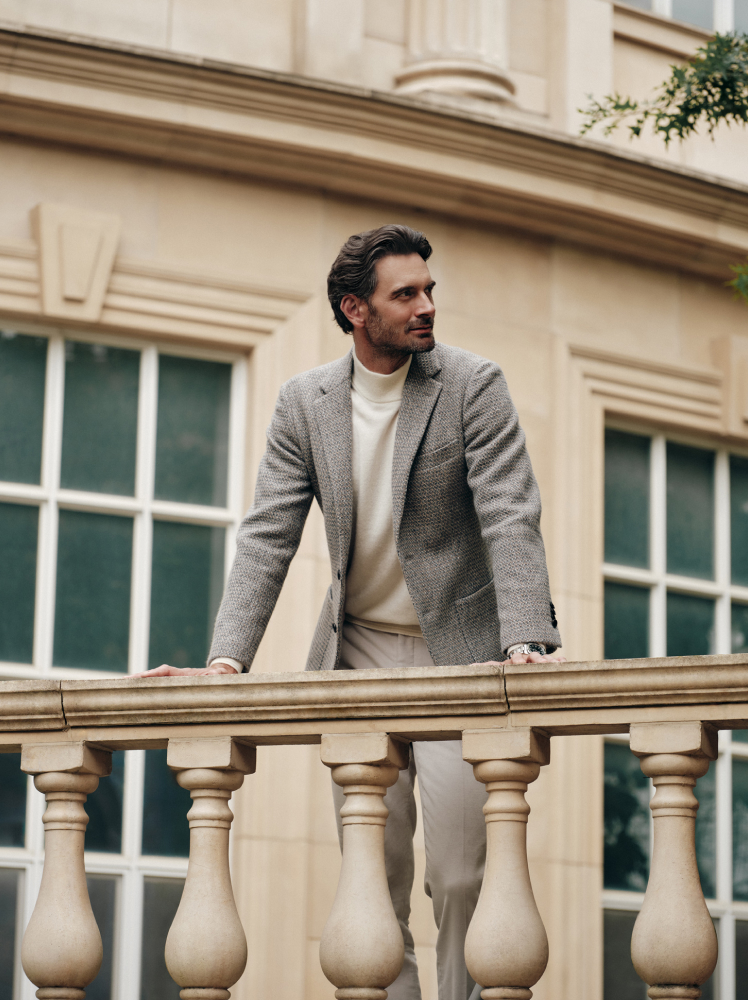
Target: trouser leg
(399,865)
(455,834)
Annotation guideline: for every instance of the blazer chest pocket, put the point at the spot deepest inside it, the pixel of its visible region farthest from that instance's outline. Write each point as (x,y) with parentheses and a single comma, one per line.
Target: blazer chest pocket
(440,456)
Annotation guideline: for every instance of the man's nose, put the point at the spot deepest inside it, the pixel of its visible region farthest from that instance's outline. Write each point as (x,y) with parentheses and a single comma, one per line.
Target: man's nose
(424,305)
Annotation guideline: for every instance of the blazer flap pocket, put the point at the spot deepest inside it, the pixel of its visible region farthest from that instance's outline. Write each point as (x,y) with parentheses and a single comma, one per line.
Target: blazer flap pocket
(480,604)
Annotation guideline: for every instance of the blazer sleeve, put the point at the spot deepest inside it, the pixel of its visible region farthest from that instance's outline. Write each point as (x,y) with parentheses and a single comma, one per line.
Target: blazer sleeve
(266,541)
(507,502)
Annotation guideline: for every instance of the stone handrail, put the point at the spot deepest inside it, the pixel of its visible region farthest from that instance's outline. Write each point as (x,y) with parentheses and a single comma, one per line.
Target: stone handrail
(505,715)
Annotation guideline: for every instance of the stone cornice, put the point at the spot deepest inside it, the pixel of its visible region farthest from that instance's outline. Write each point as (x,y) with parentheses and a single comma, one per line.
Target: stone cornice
(562,698)
(354,142)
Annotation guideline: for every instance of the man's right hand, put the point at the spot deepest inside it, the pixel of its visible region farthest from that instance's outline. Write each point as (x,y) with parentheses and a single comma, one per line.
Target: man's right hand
(218,667)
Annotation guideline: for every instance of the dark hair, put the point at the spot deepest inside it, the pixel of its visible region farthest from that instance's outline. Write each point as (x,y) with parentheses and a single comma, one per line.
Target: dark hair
(354,270)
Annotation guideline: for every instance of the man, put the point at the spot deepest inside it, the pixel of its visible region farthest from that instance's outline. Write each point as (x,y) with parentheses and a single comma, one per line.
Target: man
(414,453)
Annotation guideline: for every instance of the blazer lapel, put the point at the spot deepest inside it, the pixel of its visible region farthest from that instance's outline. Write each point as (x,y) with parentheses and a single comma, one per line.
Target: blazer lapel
(334,417)
(420,394)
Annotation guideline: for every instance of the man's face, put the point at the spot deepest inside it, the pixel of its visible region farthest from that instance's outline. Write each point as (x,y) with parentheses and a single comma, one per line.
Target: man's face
(399,317)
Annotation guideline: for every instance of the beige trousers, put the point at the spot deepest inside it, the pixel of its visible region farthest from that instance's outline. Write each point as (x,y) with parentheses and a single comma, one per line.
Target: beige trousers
(453,826)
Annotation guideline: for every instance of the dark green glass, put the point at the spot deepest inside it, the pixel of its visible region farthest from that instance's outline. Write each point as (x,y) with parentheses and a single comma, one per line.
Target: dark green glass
(9,884)
(739,628)
(92,615)
(19,528)
(186,589)
(100,424)
(741,959)
(165,807)
(739,519)
(620,980)
(690,511)
(690,625)
(13,790)
(626,621)
(740,829)
(23,364)
(626,821)
(102,891)
(161,898)
(741,735)
(698,12)
(706,832)
(626,498)
(104,808)
(192,438)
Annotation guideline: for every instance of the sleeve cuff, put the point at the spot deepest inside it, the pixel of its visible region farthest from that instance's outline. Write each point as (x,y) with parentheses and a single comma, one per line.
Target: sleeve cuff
(238,667)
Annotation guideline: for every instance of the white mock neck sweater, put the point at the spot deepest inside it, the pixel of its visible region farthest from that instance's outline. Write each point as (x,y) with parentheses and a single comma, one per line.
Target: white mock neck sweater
(376,592)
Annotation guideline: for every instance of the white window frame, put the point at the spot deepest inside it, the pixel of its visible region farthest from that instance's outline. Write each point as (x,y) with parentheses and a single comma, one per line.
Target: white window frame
(130,866)
(723,908)
(723,13)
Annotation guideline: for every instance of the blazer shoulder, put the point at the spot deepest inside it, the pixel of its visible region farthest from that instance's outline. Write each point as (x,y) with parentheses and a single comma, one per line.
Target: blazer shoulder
(306,386)
(461,365)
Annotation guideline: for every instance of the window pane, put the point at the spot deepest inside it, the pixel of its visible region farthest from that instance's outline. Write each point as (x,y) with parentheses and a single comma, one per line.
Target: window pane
(19,526)
(186,587)
(741,20)
(698,12)
(739,628)
(626,498)
(626,621)
(706,832)
(92,616)
(739,518)
(102,890)
(165,807)
(100,424)
(626,834)
(741,959)
(23,363)
(104,808)
(620,981)
(13,788)
(741,735)
(740,829)
(690,625)
(193,430)
(690,511)
(9,882)
(160,903)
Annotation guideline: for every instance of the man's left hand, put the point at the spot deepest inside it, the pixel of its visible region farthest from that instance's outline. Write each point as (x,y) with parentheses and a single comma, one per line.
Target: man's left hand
(525,658)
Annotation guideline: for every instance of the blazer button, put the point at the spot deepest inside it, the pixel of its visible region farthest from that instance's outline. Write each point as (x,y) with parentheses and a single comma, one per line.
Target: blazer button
(338,574)
(334,627)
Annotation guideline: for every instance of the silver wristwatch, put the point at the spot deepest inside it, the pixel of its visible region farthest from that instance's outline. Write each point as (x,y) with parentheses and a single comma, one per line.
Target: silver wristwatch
(527,647)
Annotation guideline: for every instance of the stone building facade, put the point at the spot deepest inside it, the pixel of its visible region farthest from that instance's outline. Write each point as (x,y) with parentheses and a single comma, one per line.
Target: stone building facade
(175,178)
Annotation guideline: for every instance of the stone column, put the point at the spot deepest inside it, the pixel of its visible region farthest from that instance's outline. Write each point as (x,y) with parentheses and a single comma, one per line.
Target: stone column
(206,949)
(457,51)
(506,948)
(362,951)
(61,951)
(674,944)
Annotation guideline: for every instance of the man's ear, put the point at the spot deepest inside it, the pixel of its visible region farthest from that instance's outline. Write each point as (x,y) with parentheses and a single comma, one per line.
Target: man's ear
(355,310)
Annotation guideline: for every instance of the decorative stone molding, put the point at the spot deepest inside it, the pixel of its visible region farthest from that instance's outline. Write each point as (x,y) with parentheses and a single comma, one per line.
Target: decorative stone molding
(457,49)
(76,255)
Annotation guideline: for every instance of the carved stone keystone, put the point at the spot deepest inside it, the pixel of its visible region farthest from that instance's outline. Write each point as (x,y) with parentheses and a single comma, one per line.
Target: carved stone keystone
(61,951)
(506,948)
(362,950)
(206,949)
(674,945)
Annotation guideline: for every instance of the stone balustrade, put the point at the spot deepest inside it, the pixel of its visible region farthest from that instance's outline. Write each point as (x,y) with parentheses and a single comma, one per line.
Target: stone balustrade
(506,717)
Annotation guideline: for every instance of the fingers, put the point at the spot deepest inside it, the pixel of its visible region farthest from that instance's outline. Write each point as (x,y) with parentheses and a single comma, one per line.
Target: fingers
(165,670)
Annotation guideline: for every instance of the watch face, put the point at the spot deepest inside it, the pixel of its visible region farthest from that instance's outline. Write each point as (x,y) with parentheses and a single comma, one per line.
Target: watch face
(535,647)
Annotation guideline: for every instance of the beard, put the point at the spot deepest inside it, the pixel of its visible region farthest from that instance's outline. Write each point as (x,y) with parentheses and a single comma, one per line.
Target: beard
(391,339)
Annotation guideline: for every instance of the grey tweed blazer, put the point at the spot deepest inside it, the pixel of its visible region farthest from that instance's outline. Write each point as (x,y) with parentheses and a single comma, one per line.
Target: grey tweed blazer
(465,512)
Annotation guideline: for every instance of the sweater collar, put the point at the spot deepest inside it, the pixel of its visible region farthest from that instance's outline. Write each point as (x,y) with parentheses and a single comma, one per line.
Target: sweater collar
(378,388)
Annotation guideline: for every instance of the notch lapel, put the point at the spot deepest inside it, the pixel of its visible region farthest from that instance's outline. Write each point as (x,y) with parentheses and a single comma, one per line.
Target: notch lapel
(334,416)
(420,394)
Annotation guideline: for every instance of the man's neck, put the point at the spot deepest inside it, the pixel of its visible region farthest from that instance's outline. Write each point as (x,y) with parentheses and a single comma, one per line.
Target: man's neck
(377,360)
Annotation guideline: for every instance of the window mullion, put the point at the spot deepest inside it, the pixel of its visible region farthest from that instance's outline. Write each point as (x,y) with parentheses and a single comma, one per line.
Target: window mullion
(663,7)
(722,642)
(46,574)
(724,15)
(143,528)
(237,445)
(658,546)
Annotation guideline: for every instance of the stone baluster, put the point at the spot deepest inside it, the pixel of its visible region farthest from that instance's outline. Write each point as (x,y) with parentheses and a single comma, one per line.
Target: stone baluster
(361,951)
(506,949)
(674,945)
(458,50)
(61,951)
(206,949)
